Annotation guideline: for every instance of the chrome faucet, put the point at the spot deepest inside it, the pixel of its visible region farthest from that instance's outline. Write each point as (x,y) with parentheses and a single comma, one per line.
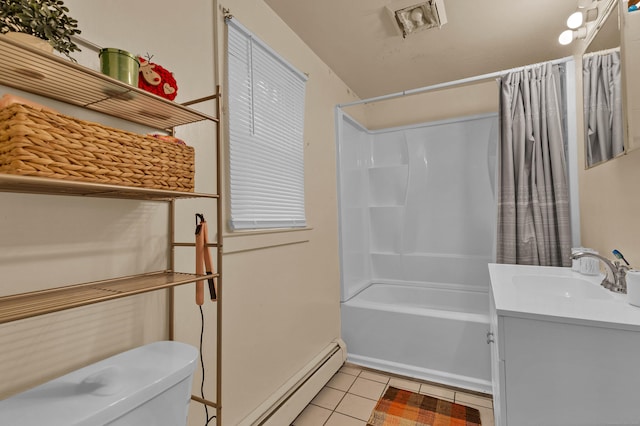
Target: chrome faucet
(615,278)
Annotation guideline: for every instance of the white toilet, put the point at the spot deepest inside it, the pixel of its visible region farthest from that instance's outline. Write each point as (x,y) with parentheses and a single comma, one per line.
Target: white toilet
(149,385)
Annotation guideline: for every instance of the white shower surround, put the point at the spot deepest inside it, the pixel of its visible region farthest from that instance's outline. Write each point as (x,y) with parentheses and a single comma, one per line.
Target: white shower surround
(417,219)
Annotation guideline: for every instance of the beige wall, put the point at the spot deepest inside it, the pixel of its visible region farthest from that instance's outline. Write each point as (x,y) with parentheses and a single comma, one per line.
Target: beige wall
(472,99)
(281,290)
(51,241)
(48,241)
(609,206)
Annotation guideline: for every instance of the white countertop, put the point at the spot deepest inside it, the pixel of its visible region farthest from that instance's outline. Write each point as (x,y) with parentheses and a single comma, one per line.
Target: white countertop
(509,301)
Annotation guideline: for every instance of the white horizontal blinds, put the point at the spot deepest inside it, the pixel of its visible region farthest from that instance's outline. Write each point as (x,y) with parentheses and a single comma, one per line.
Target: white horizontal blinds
(266,122)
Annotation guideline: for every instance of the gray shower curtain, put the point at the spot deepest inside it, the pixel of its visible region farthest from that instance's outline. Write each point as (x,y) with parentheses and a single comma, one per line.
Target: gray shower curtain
(533,195)
(602,92)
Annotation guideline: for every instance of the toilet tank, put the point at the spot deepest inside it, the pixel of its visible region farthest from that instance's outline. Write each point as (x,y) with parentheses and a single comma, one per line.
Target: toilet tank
(149,385)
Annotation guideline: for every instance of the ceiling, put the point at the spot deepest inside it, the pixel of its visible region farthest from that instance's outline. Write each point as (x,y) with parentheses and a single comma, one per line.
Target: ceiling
(358,41)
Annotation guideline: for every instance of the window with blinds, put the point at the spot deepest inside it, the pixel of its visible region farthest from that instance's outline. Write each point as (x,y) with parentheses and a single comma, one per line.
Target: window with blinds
(266,120)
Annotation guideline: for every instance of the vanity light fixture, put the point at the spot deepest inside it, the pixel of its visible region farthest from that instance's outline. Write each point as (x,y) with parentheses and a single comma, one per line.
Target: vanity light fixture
(578,21)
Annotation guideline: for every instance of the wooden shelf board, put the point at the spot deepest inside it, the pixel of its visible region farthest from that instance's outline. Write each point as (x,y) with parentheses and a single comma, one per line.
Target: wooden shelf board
(39,185)
(32,304)
(26,68)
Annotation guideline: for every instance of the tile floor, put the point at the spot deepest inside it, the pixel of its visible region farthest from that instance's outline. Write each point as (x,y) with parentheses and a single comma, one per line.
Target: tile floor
(351,395)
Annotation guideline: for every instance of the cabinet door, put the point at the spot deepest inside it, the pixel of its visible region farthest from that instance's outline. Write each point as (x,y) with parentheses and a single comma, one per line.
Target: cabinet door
(570,374)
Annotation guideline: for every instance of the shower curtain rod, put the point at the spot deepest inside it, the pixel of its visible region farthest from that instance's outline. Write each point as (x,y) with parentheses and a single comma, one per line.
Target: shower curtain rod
(450,83)
(601,52)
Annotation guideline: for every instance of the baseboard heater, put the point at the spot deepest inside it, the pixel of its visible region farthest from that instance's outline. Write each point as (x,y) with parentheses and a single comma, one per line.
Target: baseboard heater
(291,398)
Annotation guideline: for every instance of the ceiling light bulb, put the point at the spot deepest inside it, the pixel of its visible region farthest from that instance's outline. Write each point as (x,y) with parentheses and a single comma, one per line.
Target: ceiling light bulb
(566,37)
(575,20)
(416,16)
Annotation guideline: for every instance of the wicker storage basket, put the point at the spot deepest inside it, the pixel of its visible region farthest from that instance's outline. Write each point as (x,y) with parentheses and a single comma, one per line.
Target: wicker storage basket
(48,144)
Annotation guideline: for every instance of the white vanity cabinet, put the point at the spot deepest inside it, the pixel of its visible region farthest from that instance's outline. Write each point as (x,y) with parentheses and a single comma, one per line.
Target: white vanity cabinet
(564,369)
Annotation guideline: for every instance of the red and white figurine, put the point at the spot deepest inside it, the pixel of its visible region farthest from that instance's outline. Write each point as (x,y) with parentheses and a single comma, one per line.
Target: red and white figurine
(157,80)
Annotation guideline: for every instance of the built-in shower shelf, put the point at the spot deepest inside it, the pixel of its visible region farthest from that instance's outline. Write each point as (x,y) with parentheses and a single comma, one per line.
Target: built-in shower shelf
(27,305)
(388,185)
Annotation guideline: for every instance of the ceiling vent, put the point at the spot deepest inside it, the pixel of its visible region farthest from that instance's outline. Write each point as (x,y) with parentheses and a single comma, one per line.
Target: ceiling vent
(411,17)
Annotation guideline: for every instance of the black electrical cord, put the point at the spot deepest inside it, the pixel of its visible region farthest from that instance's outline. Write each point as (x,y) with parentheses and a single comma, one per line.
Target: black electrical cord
(206,407)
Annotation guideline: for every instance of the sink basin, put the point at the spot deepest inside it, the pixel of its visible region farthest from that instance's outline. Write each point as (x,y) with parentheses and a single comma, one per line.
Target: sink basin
(559,287)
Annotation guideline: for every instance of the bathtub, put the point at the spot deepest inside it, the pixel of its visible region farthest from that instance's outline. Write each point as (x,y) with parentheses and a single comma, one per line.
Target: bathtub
(427,332)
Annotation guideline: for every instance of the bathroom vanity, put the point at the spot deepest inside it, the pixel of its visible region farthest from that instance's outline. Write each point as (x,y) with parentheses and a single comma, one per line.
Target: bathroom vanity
(564,350)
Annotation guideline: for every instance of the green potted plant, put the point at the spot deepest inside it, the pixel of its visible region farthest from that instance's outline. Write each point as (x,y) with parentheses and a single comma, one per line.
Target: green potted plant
(45,19)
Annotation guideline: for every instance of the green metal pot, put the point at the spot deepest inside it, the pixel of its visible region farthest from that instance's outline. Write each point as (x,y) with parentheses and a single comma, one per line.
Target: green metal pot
(120,65)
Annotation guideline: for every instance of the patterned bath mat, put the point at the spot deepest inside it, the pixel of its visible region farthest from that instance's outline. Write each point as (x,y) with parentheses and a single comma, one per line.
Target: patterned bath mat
(399,407)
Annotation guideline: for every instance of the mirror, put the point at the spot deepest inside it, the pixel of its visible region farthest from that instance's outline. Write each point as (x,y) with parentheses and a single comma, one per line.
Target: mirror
(603,92)
(630,24)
